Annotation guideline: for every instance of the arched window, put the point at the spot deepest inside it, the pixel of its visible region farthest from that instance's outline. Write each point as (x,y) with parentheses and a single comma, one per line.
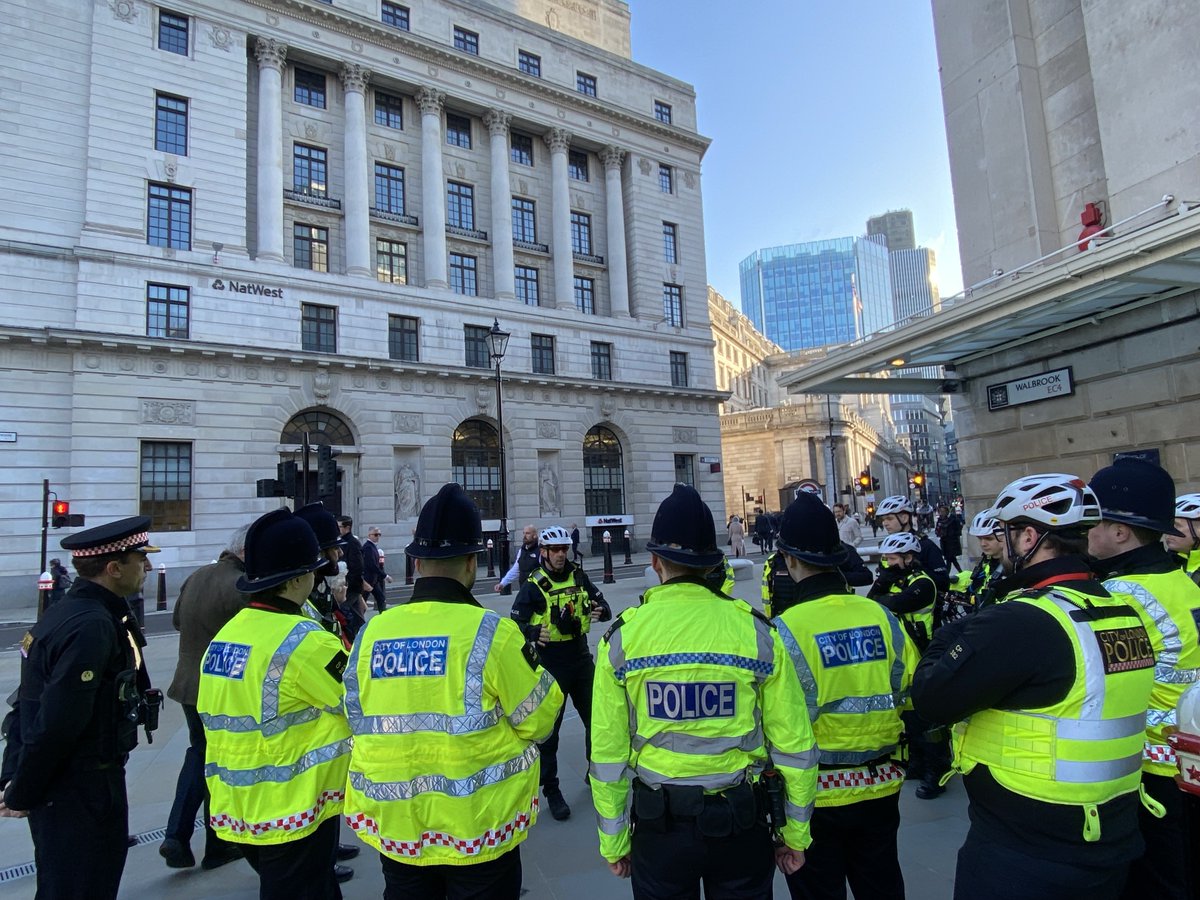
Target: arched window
(322,427)
(475,460)
(603,473)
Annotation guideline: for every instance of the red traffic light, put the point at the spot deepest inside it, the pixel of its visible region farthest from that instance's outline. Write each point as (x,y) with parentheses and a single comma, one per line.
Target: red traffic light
(62,508)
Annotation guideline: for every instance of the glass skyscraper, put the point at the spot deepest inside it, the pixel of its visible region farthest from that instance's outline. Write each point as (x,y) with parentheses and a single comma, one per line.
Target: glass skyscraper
(819,293)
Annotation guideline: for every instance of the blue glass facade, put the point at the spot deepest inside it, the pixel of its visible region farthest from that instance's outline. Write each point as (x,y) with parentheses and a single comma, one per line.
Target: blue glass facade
(820,293)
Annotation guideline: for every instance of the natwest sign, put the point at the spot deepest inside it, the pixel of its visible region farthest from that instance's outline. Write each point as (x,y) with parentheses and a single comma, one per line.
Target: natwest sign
(598,521)
(243,287)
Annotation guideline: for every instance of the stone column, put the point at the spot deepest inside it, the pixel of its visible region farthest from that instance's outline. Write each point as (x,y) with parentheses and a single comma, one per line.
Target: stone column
(270,55)
(618,264)
(559,140)
(357,200)
(502,233)
(433,190)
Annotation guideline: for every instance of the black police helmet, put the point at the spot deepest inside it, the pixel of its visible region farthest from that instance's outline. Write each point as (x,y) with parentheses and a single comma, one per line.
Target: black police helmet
(1136,492)
(809,532)
(683,531)
(280,546)
(322,522)
(448,526)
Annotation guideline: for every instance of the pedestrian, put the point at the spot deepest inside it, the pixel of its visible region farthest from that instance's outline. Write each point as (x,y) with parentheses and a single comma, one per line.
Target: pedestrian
(84,691)
(1187,545)
(1050,688)
(855,664)
(895,514)
(373,568)
(60,578)
(555,610)
(208,599)
(696,703)
(737,537)
(576,556)
(848,527)
(528,559)
(447,702)
(271,700)
(1137,505)
(949,531)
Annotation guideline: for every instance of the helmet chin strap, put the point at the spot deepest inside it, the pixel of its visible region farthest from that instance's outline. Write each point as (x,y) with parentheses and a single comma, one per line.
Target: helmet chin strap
(1018,562)
(1191,523)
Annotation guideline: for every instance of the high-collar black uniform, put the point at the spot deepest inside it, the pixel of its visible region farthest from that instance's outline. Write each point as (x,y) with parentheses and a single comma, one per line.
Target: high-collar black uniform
(822,584)
(531,601)
(1151,559)
(441,590)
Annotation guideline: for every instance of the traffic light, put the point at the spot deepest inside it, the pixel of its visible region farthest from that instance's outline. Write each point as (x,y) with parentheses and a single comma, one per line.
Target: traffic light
(286,473)
(326,471)
(864,481)
(62,514)
(918,479)
(870,509)
(874,483)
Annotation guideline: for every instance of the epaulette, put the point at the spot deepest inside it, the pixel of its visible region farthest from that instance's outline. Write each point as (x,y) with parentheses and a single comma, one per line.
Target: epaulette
(617,623)
(545,584)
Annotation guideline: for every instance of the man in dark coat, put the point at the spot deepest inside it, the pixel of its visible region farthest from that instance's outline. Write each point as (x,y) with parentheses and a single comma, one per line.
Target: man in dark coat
(373,572)
(356,585)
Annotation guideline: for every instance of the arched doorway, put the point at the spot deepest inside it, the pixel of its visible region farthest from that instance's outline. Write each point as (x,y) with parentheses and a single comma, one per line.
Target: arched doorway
(603,479)
(324,428)
(475,464)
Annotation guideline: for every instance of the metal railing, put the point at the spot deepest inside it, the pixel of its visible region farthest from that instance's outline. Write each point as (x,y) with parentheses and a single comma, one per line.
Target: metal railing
(311,199)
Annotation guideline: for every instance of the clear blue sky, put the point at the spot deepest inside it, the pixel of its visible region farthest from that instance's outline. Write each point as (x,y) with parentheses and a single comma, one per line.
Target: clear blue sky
(821,114)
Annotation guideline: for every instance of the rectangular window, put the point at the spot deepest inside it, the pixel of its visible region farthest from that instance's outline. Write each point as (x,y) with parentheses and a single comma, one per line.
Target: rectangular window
(166,311)
(475,339)
(529,63)
(679,375)
(170,124)
(521,149)
(395,15)
(673,305)
(169,217)
(172,32)
(585,84)
(523,221)
(389,188)
(662,111)
(309,170)
(666,179)
(526,280)
(391,261)
(577,165)
(458,131)
(585,295)
(318,328)
(403,338)
(685,469)
(165,489)
(466,41)
(542,346)
(581,233)
(462,275)
(601,361)
(310,88)
(389,110)
(670,245)
(460,205)
(310,247)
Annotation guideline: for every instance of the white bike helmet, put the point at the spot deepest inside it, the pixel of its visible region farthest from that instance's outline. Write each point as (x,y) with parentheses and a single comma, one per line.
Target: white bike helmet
(985,524)
(892,505)
(1056,501)
(554,536)
(901,542)
(1187,506)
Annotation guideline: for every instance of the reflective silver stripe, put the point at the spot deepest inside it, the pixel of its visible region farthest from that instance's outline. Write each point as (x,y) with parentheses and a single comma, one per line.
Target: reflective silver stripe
(898,663)
(805,760)
(1157,717)
(860,705)
(1093,666)
(678,742)
(278,774)
(616,653)
(798,813)
(1165,674)
(803,671)
(609,773)
(612,826)
(526,707)
(713,782)
(1099,729)
(473,683)
(452,787)
(247,724)
(854,757)
(765,636)
(1172,643)
(1078,772)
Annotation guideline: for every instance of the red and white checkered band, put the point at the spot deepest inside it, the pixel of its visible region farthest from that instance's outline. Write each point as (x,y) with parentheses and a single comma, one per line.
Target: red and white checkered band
(1159,753)
(466,846)
(130,540)
(295,822)
(852,778)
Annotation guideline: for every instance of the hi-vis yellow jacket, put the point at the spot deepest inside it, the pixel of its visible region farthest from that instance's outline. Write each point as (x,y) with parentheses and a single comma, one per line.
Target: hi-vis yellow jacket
(270,699)
(447,704)
(855,665)
(694,688)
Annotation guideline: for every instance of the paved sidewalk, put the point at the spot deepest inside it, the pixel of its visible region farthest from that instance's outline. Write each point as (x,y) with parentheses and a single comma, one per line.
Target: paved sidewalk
(560,859)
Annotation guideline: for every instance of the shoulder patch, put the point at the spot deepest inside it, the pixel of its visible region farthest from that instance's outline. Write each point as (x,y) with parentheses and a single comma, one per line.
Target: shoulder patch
(617,623)
(336,667)
(529,651)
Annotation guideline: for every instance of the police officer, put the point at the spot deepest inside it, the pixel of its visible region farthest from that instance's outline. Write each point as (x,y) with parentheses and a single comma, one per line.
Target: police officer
(721,577)
(973,590)
(1051,686)
(695,701)
(1187,544)
(779,590)
(320,605)
(1137,501)
(447,703)
(855,664)
(271,701)
(895,514)
(556,608)
(84,691)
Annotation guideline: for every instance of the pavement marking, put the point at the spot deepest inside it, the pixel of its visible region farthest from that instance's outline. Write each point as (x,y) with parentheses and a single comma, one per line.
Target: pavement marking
(24,870)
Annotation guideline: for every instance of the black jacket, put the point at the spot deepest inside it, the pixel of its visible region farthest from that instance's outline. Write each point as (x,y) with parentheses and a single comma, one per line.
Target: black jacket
(352,555)
(372,570)
(531,601)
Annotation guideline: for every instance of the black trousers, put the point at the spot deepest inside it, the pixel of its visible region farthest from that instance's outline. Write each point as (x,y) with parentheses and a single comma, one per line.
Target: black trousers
(990,871)
(672,864)
(191,791)
(1165,871)
(81,836)
(379,595)
(574,674)
(855,844)
(298,870)
(495,879)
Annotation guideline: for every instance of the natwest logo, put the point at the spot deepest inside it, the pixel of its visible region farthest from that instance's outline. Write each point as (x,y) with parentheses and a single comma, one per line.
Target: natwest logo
(242,287)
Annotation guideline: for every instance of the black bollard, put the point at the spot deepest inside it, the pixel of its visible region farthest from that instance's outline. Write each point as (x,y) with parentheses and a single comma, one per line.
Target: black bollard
(161,602)
(408,569)
(491,551)
(628,558)
(608,569)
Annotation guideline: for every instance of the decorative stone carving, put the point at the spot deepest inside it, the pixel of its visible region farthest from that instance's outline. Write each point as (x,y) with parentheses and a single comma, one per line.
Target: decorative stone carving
(408,493)
(272,19)
(383,384)
(310,130)
(159,367)
(683,435)
(558,140)
(408,423)
(497,122)
(322,385)
(548,491)
(356,46)
(354,77)
(251,373)
(501,93)
(281,375)
(430,101)
(270,52)
(645,166)
(171,170)
(125,10)
(221,38)
(389,152)
(168,412)
(612,157)
(360,381)
(460,170)
(92,362)
(608,406)
(223,371)
(125,364)
(689,179)
(483,398)
(548,429)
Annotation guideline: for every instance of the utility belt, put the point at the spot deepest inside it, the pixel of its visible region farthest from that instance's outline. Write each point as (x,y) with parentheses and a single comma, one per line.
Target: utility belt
(731,811)
(136,705)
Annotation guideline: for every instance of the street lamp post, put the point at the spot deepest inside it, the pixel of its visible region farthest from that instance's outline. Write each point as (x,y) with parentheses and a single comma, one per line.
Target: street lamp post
(497,344)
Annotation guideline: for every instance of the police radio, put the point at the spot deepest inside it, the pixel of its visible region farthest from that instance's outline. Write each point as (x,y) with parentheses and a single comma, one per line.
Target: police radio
(564,619)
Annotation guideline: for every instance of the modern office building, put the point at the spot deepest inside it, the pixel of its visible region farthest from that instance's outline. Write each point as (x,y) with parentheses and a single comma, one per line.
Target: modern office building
(897,226)
(225,224)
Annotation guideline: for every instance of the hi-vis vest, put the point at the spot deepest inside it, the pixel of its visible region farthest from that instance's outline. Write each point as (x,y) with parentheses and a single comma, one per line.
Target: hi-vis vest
(278,743)
(730,580)
(687,686)
(446,712)
(1086,749)
(914,622)
(1171,601)
(855,665)
(973,583)
(1192,565)
(566,594)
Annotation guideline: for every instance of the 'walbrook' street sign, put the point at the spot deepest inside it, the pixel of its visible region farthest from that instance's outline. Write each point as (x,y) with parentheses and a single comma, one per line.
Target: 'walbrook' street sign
(1046,386)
